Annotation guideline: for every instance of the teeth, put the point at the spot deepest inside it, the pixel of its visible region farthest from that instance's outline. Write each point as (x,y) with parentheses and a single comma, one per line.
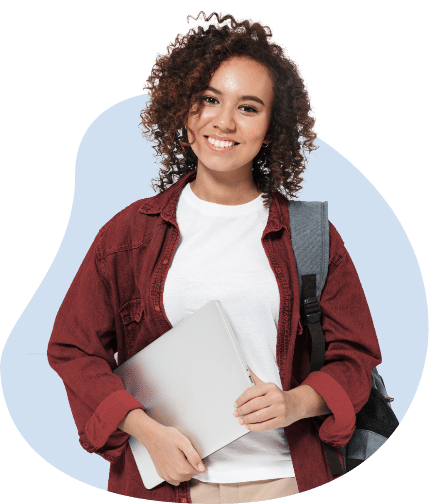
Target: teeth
(220,144)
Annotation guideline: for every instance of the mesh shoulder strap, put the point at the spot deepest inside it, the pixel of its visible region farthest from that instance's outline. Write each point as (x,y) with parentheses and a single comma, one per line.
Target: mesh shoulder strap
(309,228)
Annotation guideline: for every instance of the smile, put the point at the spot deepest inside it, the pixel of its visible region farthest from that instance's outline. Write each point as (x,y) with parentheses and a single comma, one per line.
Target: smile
(219,145)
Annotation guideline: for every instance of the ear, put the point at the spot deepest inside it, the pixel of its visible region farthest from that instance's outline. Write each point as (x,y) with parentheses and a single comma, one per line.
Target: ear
(267,140)
(268,135)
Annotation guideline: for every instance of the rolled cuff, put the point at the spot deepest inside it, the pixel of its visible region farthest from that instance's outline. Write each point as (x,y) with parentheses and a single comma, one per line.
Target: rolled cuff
(337,428)
(101,434)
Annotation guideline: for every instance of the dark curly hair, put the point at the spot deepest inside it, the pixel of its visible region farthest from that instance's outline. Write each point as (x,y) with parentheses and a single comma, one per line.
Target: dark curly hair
(179,79)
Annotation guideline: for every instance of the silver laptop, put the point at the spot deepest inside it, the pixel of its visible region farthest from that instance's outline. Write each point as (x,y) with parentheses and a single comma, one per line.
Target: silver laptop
(189,378)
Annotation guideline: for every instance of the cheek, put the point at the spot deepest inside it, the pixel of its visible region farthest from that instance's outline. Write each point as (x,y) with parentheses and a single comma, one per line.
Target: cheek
(196,122)
(193,127)
(256,132)
(192,121)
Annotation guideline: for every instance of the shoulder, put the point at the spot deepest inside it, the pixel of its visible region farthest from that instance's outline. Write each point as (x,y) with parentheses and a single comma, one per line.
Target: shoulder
(130,228)
(337,249)
(133,226)
(300,212)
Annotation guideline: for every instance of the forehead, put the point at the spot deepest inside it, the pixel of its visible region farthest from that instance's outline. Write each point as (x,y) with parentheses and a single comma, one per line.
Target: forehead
(243,76)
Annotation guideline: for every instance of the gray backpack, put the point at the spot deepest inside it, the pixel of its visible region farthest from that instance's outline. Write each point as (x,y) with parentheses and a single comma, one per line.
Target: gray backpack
(376,421)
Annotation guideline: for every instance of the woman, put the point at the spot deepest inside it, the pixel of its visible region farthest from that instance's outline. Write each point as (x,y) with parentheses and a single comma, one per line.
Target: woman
(231,119)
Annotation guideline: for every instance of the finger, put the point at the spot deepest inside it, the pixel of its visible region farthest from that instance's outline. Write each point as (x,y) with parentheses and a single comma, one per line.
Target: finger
(249,394)
(262,415)
(173,482)
(192,456)
(252,405)
(262,426)
(257,380)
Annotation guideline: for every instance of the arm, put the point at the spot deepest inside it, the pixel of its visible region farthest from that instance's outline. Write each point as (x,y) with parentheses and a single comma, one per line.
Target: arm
(308,402)
(173,455)
(342,386)
(81,350)
(265,406)
(352,349)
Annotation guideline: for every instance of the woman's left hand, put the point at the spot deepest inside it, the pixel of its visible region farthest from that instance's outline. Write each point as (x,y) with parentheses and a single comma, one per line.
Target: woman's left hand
(265,406)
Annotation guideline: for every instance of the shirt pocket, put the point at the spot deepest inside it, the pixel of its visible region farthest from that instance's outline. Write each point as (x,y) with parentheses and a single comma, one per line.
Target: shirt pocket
(132,315)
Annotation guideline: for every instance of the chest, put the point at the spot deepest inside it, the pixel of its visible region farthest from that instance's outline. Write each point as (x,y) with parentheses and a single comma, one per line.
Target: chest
(142,274)
(228,263)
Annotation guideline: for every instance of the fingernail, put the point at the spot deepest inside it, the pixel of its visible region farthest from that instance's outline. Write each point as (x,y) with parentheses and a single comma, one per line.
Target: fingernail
(201,466)
(235,404)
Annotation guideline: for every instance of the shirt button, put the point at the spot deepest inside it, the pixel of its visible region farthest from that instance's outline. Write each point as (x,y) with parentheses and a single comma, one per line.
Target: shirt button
(157,308)
(165,261)
(183,500)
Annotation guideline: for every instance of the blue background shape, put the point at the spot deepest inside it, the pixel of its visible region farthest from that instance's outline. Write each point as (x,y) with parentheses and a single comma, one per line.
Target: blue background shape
(114,167)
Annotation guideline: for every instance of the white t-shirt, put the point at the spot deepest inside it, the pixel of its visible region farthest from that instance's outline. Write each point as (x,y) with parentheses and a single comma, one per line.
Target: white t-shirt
(220,256)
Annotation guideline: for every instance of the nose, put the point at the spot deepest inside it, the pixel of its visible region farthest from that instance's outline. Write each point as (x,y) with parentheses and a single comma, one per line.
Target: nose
(224,119)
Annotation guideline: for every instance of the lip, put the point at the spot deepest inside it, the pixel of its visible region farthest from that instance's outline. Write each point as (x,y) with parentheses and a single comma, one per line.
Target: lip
(221,150)
(222,139)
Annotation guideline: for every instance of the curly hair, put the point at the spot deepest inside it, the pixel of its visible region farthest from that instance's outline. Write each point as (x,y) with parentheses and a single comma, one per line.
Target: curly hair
(179,79)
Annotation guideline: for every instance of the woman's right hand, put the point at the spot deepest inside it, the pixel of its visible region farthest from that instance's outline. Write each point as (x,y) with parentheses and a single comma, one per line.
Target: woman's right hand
(172,453)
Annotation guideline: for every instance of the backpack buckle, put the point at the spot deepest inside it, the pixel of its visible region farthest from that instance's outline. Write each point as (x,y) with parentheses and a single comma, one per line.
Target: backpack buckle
(312,310)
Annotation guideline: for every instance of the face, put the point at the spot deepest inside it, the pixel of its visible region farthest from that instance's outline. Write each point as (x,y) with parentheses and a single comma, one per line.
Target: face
(232,125)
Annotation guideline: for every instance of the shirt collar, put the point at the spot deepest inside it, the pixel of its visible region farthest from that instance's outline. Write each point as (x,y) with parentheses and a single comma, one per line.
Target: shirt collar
(278,216)
(165,203)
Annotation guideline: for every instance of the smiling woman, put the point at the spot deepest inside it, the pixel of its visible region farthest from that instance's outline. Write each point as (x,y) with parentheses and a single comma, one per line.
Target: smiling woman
(230,83)
(230,118)
(229,131)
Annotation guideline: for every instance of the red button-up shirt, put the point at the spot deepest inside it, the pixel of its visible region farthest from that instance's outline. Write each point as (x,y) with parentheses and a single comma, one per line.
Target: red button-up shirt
(115,305)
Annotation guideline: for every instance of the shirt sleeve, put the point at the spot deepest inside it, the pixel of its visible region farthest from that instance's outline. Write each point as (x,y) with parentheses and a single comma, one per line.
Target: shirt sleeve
(81,350)
(352,349)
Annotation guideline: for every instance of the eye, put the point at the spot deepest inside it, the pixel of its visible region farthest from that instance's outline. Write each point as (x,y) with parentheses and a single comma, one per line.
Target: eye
(210,99)
(248,108)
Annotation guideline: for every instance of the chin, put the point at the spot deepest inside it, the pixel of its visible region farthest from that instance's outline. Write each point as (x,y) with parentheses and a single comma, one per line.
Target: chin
(221,166)
(222,169)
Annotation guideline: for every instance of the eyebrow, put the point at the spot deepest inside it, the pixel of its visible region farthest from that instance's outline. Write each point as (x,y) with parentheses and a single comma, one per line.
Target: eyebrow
(245,97)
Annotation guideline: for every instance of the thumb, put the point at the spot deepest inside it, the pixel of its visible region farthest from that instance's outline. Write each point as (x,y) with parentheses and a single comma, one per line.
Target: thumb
(257,380)
(192,455)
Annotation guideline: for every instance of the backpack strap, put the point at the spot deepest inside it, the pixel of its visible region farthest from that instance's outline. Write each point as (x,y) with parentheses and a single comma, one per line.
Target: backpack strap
(312,314)
(309,228)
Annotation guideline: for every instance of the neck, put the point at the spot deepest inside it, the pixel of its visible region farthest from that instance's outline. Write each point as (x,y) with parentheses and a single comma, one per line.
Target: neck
(224,188)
